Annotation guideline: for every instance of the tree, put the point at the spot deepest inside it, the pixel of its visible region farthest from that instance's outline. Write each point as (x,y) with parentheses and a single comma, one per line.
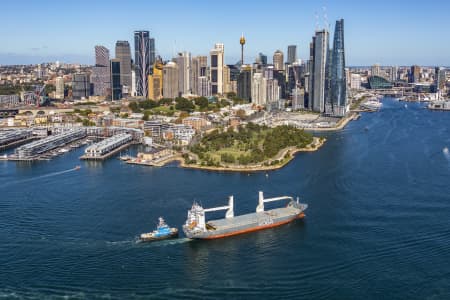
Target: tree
(165,101)
(231,95)
(202,102)
(184,104)
(134,107)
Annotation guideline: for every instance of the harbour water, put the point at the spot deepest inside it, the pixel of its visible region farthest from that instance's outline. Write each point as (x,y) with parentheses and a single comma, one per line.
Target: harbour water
(377,226)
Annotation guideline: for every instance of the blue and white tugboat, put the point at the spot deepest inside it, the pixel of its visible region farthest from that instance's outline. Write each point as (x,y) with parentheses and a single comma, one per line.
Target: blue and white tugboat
(162,232)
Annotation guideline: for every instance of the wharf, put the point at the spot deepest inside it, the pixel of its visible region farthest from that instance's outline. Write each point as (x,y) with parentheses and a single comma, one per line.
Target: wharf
(17,143)
(157,162)
(109,154)
(49,154)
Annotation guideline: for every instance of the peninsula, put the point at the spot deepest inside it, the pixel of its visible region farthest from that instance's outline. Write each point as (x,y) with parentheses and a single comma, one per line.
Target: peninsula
(248,148)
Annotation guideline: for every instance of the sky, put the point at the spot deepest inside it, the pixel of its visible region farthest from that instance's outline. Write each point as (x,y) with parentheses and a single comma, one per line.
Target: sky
(387,32)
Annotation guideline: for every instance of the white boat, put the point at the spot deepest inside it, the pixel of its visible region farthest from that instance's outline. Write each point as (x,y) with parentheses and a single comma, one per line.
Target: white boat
(63,150)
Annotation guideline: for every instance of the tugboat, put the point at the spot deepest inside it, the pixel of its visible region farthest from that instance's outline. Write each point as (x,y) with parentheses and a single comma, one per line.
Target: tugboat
(162,232)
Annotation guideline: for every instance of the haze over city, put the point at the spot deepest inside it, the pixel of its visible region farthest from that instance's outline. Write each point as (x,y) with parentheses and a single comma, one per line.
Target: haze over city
(384,32)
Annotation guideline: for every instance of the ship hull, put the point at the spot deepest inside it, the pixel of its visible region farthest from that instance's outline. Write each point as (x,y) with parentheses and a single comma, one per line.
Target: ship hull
(253,229)
(247,223)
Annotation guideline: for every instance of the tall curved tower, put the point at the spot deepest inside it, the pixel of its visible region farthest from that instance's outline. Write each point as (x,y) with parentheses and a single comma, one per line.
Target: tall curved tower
(242,42)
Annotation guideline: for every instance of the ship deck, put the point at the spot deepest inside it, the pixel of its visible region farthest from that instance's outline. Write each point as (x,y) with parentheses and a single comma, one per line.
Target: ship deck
(254,218)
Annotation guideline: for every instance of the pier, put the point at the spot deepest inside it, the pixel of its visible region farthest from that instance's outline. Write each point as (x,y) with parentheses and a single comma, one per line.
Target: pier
(36,150)
(12,138)
(108,147)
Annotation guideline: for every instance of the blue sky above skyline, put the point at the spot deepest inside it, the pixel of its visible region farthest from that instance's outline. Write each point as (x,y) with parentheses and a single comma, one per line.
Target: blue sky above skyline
(386,32)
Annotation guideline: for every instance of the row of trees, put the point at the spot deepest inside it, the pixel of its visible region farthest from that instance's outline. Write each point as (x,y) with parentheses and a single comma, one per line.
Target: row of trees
(179,103)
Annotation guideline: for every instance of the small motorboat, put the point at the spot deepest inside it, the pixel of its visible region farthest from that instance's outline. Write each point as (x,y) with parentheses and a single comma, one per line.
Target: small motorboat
(162,232)
(77,168)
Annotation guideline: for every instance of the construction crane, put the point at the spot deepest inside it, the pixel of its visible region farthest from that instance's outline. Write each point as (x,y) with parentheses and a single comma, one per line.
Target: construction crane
(39,92)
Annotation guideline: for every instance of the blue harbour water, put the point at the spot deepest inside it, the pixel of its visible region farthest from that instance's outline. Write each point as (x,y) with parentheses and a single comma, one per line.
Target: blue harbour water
(377,226)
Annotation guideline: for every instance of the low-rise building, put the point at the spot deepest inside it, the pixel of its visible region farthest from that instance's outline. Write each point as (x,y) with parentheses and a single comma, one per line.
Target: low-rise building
(197,123)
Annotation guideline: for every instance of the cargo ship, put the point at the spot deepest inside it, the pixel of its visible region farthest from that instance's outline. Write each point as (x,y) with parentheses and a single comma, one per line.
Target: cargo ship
(196,226)
(162,232)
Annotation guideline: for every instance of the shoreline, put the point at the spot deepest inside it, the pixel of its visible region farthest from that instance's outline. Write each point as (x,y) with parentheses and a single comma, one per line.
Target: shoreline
(314,146)
(339,126)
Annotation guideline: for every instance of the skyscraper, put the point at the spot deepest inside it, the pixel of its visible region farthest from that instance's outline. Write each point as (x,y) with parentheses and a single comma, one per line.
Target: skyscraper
(155,82)
(152,52)
(199,65)
(217,63)
(292,54)
(80,86)
(183,61)
(375,70)
(278,60)
(258,89)
(244,83)
(123,55)
(440,78)
(415,74)
(100,77)
(142,61)
(170,80)
(226,79)
(320,49)
(337,104)
(261,59)
(116,74)
(59,84)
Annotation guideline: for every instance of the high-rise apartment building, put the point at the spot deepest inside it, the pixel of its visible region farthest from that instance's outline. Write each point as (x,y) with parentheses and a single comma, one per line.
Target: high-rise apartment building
(81,86)
(414,76)
(258,89)
(123,55)
(59,84)
(355,81)
(278,60)
(204,86)
(226,79)
(440,78)
(298,98)
(292,54)
(216,69)
(199,66)
(142,61)
(170,80)
(100,77)
(393,74)
(375,70)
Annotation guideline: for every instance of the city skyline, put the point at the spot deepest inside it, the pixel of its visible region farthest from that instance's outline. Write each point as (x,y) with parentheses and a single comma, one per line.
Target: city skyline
(375,33)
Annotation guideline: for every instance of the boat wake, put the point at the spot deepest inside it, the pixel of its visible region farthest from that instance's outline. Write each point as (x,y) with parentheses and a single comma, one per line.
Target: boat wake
(53,174)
